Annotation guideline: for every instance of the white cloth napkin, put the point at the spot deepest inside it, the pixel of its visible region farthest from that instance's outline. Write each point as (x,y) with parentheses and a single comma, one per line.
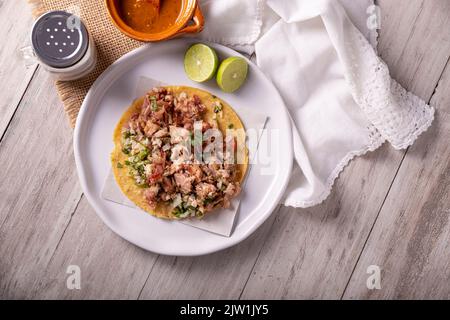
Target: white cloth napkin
(338,92)
(240,23)
(233,23)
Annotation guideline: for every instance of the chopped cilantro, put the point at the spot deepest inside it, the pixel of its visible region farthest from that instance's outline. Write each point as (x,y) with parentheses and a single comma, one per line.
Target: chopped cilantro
(179,211)
(143,154)
(154,104)
(200,214)
(208,201)
(183,211)
(126,134)
(218,107)
(143,185)
(140,169)
(119,165)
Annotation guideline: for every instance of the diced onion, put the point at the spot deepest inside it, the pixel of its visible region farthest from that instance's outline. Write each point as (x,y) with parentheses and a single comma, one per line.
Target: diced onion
(177,201)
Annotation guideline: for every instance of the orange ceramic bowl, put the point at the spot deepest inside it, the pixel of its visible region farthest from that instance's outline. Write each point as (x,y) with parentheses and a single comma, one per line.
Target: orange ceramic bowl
(190,20)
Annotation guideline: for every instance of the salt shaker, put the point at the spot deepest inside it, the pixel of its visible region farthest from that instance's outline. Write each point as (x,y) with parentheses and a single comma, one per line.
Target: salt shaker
(63,45)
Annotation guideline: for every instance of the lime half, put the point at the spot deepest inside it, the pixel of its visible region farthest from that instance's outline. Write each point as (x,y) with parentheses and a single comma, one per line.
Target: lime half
(200,62)
(232,74)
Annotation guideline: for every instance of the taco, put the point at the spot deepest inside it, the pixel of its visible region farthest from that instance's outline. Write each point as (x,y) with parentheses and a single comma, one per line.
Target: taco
(144,158)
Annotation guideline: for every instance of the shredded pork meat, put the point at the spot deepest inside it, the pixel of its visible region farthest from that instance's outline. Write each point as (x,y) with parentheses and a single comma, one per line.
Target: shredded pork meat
(191,189)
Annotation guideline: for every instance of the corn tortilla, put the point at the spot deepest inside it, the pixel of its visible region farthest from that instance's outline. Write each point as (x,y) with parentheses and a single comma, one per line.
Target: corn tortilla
(127,183)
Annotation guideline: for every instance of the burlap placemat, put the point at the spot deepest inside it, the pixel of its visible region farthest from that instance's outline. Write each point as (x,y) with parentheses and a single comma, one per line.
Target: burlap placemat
(110,43)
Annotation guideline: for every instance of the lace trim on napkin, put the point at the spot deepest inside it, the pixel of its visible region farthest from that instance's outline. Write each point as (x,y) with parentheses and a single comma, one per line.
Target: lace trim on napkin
(398,115)
(376,141)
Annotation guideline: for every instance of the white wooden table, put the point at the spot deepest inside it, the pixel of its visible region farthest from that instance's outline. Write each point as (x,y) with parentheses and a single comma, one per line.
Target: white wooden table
(389,208)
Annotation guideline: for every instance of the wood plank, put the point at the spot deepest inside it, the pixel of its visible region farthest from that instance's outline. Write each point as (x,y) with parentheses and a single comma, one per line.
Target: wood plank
(218,276)
(311,253)
(39,189)
(111,268)
(15,26)
(415,29)
(411,238)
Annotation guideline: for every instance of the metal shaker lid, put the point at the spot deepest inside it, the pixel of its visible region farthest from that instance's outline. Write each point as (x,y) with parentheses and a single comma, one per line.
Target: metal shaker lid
(59,39)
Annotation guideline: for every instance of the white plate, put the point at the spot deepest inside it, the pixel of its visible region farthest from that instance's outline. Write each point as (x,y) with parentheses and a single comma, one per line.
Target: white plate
(101,110)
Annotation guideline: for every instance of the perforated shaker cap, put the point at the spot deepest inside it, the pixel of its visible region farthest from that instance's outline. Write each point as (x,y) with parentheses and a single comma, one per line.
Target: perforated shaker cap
(59,39)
